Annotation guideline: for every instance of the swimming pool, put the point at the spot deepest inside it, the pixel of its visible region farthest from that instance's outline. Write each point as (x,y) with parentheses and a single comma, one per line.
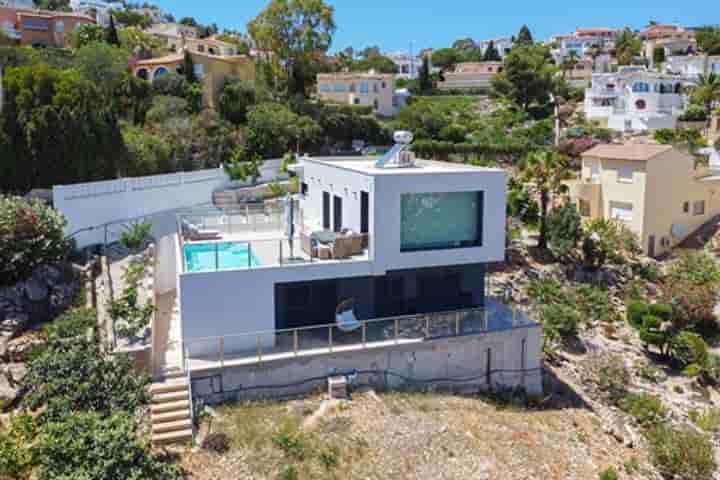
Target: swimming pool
(206,257)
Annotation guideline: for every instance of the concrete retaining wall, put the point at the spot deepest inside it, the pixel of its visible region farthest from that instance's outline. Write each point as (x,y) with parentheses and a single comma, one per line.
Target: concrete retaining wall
(458,362)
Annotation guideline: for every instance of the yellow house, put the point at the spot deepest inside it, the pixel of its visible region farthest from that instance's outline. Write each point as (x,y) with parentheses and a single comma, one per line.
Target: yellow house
(659,191)
(373,89)
(211,70)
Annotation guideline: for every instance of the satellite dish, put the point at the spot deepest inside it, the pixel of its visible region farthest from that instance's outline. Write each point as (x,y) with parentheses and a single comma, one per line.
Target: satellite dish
(678,230)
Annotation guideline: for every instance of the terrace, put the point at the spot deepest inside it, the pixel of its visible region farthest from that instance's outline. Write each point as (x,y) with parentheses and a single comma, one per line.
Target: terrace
(257,236)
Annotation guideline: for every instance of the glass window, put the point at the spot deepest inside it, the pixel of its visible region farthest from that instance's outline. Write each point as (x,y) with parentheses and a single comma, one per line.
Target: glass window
(625,175)
(640,87)
(440,220)
(199,69)
(340,87)
(325,87)
(622,211)
(686,207)
(364,87)
(60,26)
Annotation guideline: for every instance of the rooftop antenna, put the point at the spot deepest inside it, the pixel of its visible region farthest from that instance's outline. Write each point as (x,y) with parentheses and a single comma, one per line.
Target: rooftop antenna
(400,154)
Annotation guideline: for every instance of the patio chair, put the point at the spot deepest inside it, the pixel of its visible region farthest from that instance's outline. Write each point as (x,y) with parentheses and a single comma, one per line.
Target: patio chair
(345,316)
(307,246)
(192,233)
(342,247)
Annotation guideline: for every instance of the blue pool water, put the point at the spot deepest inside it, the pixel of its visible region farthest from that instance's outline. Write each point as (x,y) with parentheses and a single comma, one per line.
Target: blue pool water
(206,257)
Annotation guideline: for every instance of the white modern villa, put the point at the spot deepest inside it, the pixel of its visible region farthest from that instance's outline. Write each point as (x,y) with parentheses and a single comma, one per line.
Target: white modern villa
(634,99)
(378,264)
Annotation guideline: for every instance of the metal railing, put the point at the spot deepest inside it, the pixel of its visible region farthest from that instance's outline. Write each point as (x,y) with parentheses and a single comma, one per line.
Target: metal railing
(261,346)
(250,218)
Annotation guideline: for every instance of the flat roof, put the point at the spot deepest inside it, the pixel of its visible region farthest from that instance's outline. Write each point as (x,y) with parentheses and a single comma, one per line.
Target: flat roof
(366,165)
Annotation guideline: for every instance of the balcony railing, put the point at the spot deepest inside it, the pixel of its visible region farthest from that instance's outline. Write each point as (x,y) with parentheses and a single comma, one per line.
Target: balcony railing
(258,347)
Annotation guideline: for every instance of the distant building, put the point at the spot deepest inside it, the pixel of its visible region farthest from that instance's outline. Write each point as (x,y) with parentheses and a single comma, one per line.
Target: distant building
(667,31)
(173,33)
(583,43)
(374,89)
(408,65)
(503,45)
(101,8)
(211,70)
(634,99)
(692,66)
(41,27)
(471,75)
(671,47)
(27,4)
(660,192)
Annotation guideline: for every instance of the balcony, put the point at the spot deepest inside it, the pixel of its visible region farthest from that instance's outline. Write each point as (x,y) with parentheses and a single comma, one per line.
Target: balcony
(259,238)
(587,193)
(275,345)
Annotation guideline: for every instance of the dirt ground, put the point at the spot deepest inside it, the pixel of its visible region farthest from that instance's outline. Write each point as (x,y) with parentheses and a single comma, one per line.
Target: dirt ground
(410,436)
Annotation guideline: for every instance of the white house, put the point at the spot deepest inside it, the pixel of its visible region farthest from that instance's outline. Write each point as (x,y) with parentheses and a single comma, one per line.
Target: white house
(408,65)
(635,99)
(503,45)
(693,65)
(17,3)
(102,9)
(386,253)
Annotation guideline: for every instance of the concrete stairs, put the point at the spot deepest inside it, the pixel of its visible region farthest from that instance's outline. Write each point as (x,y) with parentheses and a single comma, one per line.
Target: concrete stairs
(171,422)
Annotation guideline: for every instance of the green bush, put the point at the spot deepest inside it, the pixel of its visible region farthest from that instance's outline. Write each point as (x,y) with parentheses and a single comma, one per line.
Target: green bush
(16,456)
(608,474)
(594,304)
(651,333)
(71,324)
(635,311)
(294,444)
(31,234)
(708,420)
(559,321)
(681,454)
(135,236)
(89,446)
(646,409)
(544,291)
(660,310)
(564,229)
(71,376)
(689,348)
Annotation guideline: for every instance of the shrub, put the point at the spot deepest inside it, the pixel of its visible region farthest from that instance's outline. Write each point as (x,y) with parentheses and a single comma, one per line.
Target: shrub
(711,370)
(293,443)
(329,458)
(559,321)
(651,373)
(76,376)
(607,241)
(544,291)
(689,348)
(71,324)
(31,234)
(661,311)
(594,303)
(651,333)
(288,473)
(693,304)
(609,474)
(635,311)
(698,268)
(564,229)
(709,420)
(87,445)
(16,457)
(646,409)
(681,454)
(130,317)
(135,236)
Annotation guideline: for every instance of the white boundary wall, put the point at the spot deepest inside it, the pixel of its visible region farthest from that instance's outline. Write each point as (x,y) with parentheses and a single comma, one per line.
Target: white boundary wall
(96,204)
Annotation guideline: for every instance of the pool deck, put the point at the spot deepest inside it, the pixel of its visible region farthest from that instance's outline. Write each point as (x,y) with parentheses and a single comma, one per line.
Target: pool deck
(272,248)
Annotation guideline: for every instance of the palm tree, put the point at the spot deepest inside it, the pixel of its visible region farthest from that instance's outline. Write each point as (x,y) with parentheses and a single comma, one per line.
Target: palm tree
(546,170)
(569,63)
(707,90)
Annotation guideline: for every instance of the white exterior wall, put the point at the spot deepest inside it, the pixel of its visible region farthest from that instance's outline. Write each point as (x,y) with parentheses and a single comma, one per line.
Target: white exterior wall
(95,204)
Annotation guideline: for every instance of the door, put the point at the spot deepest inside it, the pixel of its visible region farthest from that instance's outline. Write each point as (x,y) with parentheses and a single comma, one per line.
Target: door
(337,213)
(326,210)
(651,246)
(364,212)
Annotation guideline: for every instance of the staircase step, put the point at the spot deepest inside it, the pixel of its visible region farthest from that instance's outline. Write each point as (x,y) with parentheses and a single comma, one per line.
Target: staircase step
(170,406)
(170,416)
(165,387)
(180,436)
(171,396)
(174,426)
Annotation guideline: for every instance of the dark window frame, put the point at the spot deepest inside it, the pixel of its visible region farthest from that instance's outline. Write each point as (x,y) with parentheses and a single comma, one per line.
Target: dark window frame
(364,212)
(326,210)
(337,217)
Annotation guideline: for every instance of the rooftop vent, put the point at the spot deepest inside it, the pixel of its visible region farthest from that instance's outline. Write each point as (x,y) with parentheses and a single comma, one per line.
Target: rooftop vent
(400,155)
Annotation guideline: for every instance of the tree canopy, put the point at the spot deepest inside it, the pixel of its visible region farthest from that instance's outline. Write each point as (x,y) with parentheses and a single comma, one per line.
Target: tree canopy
(295,33)
(524,37)
(527,77)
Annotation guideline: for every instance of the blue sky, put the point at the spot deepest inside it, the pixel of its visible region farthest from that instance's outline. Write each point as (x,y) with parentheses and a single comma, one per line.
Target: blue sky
(393,24)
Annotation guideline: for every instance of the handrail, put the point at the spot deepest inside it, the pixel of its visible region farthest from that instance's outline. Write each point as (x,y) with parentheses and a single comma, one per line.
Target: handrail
(331,325)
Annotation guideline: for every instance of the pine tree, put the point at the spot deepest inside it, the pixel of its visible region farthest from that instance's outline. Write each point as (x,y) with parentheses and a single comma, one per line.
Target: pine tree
(524,36)
(424,75)
(111,35)
(491,53)
(188,68)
